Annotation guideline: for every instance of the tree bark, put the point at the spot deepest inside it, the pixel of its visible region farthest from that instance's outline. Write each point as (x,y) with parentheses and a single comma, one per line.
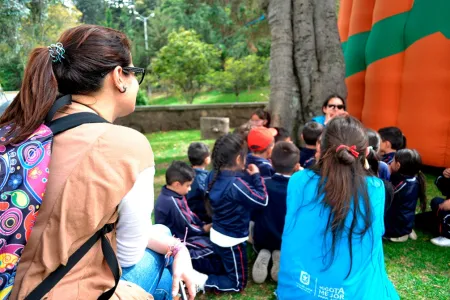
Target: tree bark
(307,63)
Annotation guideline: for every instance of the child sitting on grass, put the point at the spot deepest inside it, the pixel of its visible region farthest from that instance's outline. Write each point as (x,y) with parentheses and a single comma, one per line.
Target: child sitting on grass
(232,194)
(310,135)
(260,142)
(409,185)
(269,223)
(172,210)
(392,140)
(199,157)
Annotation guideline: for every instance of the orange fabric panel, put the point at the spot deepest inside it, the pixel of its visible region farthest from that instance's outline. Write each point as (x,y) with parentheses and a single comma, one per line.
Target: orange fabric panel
(345,12)
(424,112)
(382,92)
(387,8)
(361,19)
(355,97)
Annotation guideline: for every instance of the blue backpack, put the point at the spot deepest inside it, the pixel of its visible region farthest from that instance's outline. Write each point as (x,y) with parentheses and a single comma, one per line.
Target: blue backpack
(24,170)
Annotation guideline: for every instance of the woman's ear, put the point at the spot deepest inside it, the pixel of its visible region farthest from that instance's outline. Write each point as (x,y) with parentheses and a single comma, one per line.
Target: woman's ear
(117,77)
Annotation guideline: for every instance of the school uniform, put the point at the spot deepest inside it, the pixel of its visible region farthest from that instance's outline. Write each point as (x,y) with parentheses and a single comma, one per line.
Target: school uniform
(264,165)
(233,196)
(399,217)
(196,196)
(388,158)
(172,210)
(443,217)
(383,171)
(269,223)
(307,157)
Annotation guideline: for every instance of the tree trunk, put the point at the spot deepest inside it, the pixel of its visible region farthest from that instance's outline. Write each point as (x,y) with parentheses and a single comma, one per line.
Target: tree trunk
(307,62)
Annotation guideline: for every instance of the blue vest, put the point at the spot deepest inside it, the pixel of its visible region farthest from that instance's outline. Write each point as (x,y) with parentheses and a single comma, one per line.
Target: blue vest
(303,266)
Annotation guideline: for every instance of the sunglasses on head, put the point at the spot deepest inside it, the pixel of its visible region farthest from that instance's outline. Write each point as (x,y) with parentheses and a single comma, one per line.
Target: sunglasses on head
(333,106)
(139,73)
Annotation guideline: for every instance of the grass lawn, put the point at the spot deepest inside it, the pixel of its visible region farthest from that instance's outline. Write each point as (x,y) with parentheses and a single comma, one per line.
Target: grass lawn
(418,269)
(256,95)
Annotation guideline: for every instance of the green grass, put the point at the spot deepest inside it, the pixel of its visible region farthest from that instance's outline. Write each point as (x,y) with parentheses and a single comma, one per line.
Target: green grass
(418,269)
(256,95)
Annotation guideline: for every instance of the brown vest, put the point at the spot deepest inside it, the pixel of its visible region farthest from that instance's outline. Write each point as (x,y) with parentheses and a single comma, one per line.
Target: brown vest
(92,168)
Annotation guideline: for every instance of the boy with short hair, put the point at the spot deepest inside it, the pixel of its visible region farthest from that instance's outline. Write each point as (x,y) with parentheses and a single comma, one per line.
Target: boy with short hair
(392,140)
(172,210)
(310,135)
(260,142)
(200,158)
(269,223)
(282,135)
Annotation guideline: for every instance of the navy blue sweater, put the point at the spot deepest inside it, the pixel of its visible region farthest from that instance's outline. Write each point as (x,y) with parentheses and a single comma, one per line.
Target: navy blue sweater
(306,157)
(388,158)
(269,223)
(233,196)
(172,210)
(399,217)
(196,196)
(264,165)
(443,184)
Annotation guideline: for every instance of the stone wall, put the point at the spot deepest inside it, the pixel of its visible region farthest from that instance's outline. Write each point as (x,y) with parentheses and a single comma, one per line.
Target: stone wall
(154,118)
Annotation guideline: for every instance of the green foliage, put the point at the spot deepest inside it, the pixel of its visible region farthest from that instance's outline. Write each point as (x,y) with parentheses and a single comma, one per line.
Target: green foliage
(185,62)
(241,74)
(141,98)
(93,11)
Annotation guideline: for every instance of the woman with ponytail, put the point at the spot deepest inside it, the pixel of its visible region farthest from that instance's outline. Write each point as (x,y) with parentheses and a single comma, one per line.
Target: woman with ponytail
(332,241)
(100,174)
(232,194)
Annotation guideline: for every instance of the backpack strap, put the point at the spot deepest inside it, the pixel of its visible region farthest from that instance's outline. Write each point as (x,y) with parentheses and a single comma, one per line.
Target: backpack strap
(51,280)
(71,121)
(60,102)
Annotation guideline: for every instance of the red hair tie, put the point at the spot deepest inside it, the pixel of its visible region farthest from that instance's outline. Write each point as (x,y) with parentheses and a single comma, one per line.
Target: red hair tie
(351,149)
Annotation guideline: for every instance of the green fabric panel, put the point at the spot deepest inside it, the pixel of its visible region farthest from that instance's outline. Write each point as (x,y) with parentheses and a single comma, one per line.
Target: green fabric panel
(355,53)
(396,33)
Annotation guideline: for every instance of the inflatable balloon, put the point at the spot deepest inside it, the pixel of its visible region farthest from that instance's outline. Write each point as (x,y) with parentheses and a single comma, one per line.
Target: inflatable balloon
(397,55)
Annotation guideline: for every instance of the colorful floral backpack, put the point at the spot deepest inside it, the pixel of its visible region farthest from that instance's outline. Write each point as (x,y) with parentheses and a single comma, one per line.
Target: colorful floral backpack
(24,170)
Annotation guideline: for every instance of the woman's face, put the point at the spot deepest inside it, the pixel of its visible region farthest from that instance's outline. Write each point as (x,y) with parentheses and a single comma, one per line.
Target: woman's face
(334,107)
(255,121)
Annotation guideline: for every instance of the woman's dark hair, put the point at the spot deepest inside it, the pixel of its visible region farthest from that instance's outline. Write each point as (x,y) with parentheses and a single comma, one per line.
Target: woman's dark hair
(411,165)
(343,181)
(325,103)
(374,142)
(90,51)
(395,136)
(226,150)
(263,115)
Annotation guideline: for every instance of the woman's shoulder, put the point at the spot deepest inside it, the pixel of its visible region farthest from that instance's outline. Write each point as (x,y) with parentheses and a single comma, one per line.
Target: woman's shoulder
(125,142)
(319,119)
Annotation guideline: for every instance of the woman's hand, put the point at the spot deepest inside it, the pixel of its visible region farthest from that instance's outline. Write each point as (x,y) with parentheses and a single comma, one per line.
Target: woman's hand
(182,270)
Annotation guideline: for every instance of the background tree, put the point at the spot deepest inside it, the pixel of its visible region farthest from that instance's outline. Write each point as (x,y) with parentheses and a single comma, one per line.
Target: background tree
(307,62)
(185,62)
(241,74)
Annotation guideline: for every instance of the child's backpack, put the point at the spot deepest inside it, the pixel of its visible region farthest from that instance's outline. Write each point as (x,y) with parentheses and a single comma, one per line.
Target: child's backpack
(24,170)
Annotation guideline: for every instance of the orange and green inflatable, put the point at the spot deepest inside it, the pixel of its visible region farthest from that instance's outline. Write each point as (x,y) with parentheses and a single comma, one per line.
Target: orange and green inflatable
(397,55)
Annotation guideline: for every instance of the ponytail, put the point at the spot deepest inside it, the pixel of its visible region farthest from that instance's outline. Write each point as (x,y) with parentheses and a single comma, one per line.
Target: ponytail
(208,206)
(422,191)
(36,96)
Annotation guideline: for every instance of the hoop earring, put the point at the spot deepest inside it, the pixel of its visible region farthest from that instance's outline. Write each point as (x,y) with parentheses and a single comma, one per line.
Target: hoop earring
(124,90)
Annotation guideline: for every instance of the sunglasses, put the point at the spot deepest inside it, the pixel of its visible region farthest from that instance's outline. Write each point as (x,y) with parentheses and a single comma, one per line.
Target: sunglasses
(139,73)
(333,106)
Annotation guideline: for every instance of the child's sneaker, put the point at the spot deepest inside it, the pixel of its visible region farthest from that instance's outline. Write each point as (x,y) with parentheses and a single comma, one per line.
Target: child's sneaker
(261,266)
(275,265)
(399,239)
(441,241)
(413,235)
